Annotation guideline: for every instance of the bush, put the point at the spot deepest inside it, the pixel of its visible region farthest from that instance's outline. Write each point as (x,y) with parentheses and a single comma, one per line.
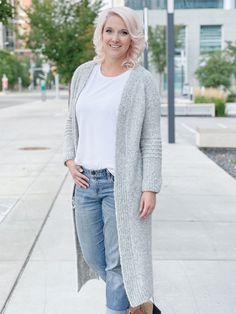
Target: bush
(231,98)
(210,93)
(13,68)
(220,107)
(219,104)
(215,71)
(202,99)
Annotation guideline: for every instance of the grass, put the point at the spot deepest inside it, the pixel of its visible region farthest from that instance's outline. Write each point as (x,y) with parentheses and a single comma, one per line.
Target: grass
(211,95)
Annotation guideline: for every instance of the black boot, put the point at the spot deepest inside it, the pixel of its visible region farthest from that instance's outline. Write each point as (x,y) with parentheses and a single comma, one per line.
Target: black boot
(156,310)
(141,310)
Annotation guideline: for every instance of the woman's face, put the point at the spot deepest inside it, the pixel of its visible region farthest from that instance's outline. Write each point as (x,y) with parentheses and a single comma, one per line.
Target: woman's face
(116,38)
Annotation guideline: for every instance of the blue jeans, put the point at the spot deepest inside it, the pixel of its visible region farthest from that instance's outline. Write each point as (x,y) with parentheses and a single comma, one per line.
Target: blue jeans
(95,219)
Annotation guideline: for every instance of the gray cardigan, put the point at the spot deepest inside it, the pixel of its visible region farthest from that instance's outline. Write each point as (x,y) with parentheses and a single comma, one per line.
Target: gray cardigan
(137,169)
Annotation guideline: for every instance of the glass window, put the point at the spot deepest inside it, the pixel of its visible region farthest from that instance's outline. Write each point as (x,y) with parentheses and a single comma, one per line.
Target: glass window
(210,38)
(134,4)
(180,58)
(180,40)
(179,80)
(198,4)
(161,4)
(179,4)
(8,37)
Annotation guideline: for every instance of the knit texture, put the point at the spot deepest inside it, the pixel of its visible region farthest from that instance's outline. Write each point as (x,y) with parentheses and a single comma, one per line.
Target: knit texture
(137,169)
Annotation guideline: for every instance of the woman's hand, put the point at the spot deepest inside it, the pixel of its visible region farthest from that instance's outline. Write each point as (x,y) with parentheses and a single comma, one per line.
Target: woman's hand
(147,203)
(76,174)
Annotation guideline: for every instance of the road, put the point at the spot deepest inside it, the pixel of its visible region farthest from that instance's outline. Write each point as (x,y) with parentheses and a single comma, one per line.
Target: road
(14,98)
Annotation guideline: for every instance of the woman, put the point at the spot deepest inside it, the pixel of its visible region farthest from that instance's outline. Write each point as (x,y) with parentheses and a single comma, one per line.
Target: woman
(113,152)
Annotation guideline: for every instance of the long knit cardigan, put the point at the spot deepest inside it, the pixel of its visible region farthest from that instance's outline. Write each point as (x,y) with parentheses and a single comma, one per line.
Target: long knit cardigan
(137,169)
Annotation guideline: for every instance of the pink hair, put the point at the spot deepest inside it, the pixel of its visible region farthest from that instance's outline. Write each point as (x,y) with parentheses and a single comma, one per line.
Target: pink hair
(135,29)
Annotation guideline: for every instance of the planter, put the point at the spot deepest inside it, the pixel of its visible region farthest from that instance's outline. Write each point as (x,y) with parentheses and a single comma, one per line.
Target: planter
(230,108)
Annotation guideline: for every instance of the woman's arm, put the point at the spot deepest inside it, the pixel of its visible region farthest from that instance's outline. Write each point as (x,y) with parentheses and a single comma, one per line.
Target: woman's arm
(68,149)
(151,147)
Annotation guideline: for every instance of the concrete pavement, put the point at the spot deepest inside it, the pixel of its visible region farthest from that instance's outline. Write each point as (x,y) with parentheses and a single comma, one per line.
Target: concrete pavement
(11,98)
(194,225)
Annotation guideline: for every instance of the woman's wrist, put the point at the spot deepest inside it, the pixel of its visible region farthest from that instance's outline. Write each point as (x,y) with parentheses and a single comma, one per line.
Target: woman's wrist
(70,163)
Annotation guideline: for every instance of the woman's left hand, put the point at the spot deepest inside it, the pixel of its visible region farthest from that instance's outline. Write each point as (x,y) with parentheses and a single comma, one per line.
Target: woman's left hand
(147,203)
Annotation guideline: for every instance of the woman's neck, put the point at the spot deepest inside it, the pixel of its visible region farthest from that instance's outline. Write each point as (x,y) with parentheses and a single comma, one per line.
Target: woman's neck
(110,68)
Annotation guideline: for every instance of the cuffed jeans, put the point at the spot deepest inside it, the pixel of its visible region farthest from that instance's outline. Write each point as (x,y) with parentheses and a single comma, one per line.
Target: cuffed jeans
(95,219)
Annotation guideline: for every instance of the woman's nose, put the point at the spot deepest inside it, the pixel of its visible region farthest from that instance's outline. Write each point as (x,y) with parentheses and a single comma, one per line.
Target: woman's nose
(115,37)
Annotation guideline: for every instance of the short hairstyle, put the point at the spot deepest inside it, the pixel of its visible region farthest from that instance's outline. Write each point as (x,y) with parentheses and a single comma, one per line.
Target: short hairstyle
(135,29)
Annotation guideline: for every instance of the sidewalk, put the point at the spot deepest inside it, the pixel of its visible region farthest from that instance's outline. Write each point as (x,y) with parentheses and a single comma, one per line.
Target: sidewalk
(194,225)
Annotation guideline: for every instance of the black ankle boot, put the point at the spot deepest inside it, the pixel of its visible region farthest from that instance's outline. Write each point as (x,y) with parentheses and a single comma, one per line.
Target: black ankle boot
(140,309)
(156,310)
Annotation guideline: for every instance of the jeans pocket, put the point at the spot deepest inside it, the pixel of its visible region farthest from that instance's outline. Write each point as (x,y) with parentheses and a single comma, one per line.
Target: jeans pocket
(111,177)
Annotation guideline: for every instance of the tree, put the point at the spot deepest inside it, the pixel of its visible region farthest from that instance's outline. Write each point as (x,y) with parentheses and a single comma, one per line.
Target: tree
(13,68)
(62,31)
(157,44)
(6,11)
(215,71)
(230,52)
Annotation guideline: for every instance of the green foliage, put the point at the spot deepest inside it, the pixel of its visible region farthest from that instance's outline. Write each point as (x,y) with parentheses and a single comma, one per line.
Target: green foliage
(157,45)
(220,107)
(62,31)
(219,103)
(216,71)
(231,98)
(231,55)
(13,68)
(202,99)
(6,11)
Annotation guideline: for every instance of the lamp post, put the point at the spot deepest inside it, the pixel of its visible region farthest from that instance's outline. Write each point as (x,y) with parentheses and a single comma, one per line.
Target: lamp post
(46,69)
(56,80)
(170,70)
(182,71)
(4,84)
(145,22)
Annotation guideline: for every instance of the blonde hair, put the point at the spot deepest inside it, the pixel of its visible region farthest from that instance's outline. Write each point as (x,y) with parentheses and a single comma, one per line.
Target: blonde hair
(135,29)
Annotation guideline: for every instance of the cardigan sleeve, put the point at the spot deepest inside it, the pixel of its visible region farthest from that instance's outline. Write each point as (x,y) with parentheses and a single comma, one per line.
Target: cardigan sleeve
(68,147)
(150,143)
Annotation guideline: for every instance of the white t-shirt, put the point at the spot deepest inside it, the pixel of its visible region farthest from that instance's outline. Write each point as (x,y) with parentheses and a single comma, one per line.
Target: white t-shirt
(96,113)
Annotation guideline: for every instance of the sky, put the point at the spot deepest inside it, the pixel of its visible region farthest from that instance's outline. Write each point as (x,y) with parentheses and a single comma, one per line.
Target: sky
(107,3)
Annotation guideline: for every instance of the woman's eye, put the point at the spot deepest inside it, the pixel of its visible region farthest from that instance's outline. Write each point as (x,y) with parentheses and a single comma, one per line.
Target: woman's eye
(124,33)
(108,31)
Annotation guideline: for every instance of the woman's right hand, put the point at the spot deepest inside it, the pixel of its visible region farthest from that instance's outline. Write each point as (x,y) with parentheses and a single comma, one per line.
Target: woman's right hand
(76,173)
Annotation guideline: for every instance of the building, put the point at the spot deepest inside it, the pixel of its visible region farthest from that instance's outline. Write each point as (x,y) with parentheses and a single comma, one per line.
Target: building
(117,3)
(22,25)
(181,4)
(114,3)
(208,24)
(8,38)
(7,34)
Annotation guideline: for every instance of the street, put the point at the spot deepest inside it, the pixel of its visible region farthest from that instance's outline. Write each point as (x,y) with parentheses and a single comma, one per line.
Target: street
(17,98)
